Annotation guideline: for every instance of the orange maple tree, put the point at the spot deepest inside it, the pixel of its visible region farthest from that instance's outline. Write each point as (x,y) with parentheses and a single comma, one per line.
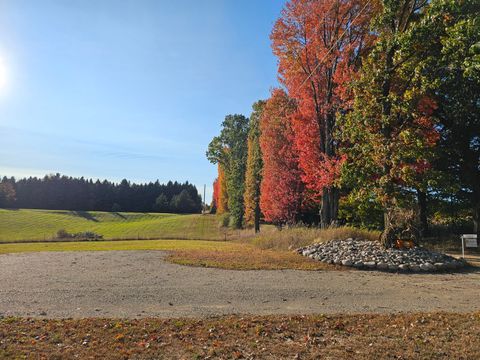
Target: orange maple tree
(220,197)
(318,45)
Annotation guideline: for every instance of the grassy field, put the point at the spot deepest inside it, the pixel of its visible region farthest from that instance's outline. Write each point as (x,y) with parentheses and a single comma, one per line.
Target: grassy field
(270,249)
(401,336)
(167,245)
(42,225)
(28,225)
(183,235)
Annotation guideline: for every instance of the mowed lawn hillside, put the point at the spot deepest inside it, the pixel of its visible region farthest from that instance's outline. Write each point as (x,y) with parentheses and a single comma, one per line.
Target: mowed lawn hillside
(39,225)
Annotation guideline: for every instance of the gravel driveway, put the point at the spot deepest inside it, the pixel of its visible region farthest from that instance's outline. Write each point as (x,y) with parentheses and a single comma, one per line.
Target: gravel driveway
(141,284)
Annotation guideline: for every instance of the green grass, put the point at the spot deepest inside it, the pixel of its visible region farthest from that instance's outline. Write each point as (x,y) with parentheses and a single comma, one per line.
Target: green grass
(118,245)
(41,225)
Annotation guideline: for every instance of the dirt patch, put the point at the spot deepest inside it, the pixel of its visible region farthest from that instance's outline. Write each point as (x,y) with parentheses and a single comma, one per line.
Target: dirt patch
(403,336)
(131,284)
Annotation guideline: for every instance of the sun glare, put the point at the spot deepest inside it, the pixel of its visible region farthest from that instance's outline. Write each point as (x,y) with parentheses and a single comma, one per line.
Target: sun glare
(3,76)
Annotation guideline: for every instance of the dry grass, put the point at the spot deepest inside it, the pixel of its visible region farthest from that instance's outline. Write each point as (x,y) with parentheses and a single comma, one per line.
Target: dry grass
(295,237)
(219,254)
(271,249)
(403,336)
(247,257)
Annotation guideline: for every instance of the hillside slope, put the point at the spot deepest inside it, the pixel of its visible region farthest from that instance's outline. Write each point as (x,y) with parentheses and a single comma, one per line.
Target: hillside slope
(28,224)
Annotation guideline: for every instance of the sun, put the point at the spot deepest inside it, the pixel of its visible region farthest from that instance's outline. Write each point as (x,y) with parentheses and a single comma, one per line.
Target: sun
(3,75)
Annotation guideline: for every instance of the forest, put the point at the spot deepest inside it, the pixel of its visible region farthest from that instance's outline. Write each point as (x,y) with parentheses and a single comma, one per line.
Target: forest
(57,192)
(375,123)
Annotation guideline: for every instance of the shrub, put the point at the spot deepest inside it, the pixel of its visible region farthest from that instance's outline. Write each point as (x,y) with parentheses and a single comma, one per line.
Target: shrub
(63,234)
(88,235)
(85,235)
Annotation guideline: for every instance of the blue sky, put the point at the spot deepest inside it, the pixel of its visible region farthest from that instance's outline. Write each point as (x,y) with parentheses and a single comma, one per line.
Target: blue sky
(127,89)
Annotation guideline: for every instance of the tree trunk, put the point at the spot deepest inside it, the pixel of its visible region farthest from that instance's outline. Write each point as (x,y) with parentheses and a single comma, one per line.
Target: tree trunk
(422,205)
(387,238)
(329,207)
(334,196)
(257,217)
(325,209)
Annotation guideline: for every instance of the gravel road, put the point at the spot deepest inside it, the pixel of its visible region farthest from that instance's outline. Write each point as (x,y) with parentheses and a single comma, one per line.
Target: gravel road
(132,284)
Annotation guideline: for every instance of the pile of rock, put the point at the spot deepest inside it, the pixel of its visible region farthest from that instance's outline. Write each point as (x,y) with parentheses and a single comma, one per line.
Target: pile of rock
(364,254)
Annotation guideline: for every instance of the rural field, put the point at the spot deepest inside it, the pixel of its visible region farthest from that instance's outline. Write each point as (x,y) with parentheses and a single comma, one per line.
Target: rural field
(33,225)
(191,239)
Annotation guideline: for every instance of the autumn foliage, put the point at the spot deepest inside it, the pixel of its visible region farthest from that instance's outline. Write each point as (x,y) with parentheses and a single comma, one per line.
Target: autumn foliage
(253,175)
(318,45)
(220,191)
(282,186)
(378,112)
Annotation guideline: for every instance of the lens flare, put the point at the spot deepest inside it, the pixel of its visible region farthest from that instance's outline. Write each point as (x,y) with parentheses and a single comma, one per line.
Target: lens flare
(3,76)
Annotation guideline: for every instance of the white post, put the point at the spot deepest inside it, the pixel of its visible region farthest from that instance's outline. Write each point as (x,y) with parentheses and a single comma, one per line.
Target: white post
(463,248)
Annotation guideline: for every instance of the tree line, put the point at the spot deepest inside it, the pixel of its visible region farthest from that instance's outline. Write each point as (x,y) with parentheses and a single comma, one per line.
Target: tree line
(376,123)
(57,192)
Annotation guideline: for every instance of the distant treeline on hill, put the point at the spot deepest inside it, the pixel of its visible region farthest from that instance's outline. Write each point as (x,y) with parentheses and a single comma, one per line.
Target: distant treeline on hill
(57,192)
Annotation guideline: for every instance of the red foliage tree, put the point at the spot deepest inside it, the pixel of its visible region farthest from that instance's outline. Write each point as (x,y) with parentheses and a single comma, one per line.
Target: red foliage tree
(318,45)
(281,188)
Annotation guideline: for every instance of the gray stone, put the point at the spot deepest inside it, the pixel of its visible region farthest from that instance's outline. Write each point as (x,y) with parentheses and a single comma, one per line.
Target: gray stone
(392,267)
(427,267)
(403,267)
(369,254)
(347,262)
(450,265)
(459,263)
(382,266)
(414,267)
(456,264)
